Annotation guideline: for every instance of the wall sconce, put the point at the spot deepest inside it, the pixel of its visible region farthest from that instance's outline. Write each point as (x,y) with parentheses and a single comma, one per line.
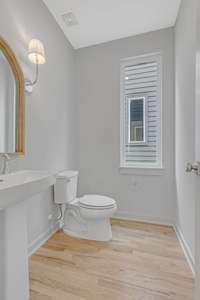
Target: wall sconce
(36,55)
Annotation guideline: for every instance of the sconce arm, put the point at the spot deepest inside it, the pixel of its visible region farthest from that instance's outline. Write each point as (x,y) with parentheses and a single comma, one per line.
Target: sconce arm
(32,83)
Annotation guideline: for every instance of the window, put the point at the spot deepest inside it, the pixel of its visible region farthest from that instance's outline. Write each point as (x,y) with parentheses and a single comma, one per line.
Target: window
(136,124)
(141,112)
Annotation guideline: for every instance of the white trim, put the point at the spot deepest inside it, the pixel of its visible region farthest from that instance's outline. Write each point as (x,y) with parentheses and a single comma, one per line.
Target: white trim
(186,249)
(143,57)
(160,109)
(42,239)
(126,215)
(122,113)
(142,171)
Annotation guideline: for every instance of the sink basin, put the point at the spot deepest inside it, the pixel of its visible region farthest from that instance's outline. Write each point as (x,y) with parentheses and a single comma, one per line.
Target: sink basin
(18,186)
(15,189)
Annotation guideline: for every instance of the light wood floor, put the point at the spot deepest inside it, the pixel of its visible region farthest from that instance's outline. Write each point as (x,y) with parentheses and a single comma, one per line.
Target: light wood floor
(143,262)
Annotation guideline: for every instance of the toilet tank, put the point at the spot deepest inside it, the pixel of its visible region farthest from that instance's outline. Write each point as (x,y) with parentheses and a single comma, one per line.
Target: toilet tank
(65,189)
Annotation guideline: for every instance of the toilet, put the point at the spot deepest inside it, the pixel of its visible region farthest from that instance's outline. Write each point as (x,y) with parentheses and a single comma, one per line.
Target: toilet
(87,217)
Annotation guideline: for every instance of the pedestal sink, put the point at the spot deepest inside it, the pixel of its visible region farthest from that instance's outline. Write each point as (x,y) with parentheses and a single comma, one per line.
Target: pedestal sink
(15,190)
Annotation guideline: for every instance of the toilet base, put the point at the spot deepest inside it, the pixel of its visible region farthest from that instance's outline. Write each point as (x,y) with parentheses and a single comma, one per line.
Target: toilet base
(97,230)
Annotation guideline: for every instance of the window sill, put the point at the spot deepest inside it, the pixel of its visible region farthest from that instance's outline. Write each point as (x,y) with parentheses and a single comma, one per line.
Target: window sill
(142,171)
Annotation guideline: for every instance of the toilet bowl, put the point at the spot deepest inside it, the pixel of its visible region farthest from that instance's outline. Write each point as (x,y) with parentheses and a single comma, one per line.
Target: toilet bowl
(87,217)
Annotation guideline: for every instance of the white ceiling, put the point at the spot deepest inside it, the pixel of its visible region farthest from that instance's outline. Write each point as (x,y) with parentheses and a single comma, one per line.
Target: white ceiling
(105,20)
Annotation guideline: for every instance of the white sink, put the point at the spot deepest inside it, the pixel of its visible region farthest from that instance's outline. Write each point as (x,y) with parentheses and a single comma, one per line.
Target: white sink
(15,189)
(18,186)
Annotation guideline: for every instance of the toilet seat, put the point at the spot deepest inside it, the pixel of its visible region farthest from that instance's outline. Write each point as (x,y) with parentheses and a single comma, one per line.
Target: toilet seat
(96,202)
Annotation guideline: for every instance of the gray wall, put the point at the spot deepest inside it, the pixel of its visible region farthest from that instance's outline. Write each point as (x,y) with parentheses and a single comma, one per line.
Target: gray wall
(185,37)
(141,195)
(51,108)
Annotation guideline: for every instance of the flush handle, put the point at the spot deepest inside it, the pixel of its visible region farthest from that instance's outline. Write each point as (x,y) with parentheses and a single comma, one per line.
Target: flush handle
(193,167)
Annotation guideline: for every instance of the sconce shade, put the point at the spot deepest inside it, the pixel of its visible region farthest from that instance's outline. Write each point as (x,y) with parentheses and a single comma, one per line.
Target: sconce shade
(36,52)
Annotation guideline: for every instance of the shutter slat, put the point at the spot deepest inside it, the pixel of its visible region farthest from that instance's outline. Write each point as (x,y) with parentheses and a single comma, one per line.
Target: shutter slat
(142,80)
(141,159)
(141,85)
(141,71)
(148,75)
(140,91)
(142,149)
(142,154)
(141,66)
(152,104)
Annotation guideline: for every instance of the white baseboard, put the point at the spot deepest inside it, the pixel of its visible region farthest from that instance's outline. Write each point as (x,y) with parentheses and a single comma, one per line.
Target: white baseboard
(145,219)
(41,239)
(186,249)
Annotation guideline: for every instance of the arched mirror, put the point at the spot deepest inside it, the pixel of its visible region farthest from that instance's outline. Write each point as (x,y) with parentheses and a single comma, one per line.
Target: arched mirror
(11,102)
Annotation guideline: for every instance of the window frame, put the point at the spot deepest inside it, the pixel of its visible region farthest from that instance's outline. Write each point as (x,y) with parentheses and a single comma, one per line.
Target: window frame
(129,99)
(138,168)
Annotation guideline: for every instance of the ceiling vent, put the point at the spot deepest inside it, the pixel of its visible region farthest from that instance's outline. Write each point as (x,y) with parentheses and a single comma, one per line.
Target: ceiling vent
(70,19)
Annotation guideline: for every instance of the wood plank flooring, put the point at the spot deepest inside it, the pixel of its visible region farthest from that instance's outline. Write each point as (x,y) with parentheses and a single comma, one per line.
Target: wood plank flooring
(142,262)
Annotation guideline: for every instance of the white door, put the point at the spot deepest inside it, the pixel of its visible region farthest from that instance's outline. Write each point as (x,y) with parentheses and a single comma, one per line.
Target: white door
(197,148)
(194,167)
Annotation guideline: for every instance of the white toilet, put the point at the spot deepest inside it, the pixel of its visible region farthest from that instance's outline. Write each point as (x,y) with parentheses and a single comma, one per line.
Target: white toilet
(87,217)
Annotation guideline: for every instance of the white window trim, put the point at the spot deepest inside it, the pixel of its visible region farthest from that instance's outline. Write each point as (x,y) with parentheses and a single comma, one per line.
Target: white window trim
(141,169)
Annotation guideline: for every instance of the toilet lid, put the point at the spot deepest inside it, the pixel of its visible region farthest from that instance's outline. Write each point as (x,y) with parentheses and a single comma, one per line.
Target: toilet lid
(96,202)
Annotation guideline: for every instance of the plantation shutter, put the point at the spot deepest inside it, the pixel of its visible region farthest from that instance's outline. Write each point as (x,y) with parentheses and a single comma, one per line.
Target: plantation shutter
(141,78)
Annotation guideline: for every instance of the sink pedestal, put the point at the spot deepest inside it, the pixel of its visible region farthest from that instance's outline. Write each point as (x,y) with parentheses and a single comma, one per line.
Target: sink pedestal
(15,190)
(14,276)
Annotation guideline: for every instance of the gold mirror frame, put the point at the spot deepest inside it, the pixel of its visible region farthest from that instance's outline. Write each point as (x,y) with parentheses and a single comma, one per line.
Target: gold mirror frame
(20,97)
